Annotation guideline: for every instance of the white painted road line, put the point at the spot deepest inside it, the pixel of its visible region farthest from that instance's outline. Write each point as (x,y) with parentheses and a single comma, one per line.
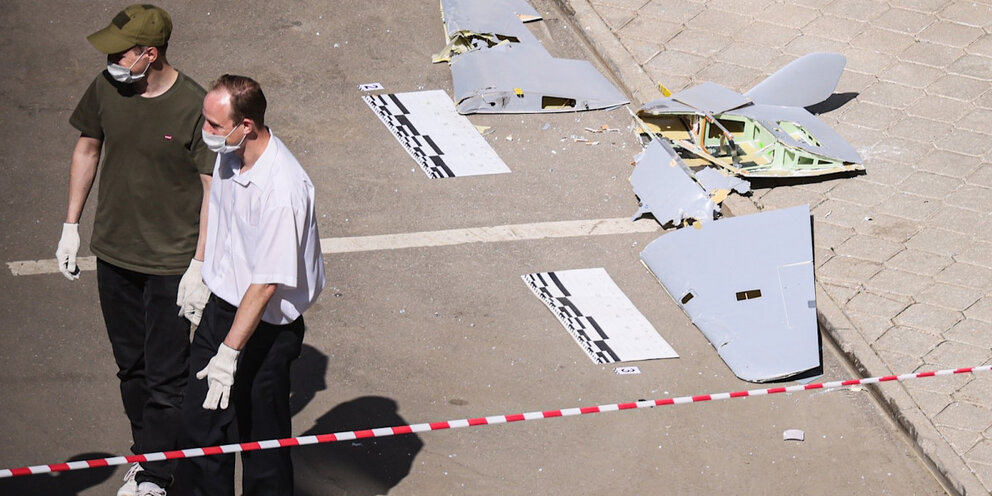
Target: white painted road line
(449,237)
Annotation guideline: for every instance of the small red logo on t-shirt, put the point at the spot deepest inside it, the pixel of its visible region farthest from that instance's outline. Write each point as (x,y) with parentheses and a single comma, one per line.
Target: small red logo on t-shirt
(168,137)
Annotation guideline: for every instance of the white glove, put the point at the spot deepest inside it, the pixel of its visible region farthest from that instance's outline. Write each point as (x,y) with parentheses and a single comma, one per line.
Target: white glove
(193,293)
(65,254)
(220,376)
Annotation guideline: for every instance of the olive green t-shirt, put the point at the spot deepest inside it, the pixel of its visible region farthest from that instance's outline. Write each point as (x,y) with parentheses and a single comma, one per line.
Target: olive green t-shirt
(148,208)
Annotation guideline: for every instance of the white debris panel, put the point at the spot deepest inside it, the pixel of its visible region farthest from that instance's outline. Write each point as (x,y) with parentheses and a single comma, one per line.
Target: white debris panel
(747,284)
(598,315)
(444,143)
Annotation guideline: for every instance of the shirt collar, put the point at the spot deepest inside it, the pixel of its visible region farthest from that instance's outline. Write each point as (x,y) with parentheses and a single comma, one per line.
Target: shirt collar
(262,170)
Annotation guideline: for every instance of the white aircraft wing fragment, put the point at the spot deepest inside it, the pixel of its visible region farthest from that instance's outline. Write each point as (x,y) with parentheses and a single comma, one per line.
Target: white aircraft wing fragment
(747,284)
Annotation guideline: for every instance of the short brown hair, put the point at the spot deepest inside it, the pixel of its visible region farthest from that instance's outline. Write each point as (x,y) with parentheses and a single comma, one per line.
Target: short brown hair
(247,99)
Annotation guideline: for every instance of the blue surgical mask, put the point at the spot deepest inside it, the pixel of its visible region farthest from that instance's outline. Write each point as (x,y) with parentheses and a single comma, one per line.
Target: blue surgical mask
(218,143)
(123,74)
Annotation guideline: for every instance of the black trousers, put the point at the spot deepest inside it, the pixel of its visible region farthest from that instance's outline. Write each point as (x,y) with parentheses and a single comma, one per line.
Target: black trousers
(258,409)
(151,347)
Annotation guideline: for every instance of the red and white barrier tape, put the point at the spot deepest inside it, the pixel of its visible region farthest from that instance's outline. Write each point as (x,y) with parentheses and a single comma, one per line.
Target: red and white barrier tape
(454,424)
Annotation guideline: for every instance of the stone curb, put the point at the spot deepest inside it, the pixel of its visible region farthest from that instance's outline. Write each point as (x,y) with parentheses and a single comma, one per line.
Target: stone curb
(932,447)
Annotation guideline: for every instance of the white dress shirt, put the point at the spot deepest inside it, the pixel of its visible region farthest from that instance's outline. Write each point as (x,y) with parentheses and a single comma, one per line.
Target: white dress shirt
(261,230)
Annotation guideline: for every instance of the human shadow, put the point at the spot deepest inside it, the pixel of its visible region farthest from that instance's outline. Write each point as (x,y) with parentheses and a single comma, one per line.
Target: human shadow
(69,483)
(306,378)
(361,467)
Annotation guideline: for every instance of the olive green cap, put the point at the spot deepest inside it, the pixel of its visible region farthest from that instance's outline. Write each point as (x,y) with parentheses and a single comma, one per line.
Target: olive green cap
(138,24)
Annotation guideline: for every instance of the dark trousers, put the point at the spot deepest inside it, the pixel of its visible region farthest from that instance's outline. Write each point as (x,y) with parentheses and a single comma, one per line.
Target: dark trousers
(151,347)
(259,408)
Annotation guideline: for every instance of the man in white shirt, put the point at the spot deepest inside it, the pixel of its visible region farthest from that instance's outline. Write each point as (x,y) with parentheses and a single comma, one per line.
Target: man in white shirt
(264,268)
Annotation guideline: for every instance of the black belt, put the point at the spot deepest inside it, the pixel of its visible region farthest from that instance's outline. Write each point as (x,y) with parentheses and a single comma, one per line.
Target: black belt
(223,304)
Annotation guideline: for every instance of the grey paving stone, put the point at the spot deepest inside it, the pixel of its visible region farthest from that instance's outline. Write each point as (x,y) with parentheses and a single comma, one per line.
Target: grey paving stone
(699,42)
(928,6)
(895,96)
(886,306)
(908,341)
(858,10)
(642,51)
(938,241)
(984,473)
(744,6)
(859,192)
(881,165)
(972,65)
(929,318)
(950,33)
(981,176)
(729,75)
(919,262)
(931,54)
(678,11)
(960,440)
(787,15)
(981,310)
(839,293)
(615,17)
(982,452)
(835,28)
(969,276)
(959,220)
(953,355)
(871,326)
(958,87)
(904,20)
(600,5)
(764,33)
(978,14)
(984,101)
(790,196)
(911,74)
(872,116)
(830,235)
(821,256)
(908,206)
(978,390)
(970,331)
(898,282)
(866,60)
(852,82)
(847,270)
(965,416)
(840,213)
(978,120)
(754,57)
(649,29)
(940,108)
(981,46)
(948,163)
(977,253)
(888,227)
(809,43)
(930,185)
(720,21)
(882,40)
(898,362)
(971,197)
(948,296)
(930,403)
(671,63)
(869,248)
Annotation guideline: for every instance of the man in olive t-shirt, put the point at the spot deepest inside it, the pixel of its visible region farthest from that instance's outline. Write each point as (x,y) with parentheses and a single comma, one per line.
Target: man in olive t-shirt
(144,118)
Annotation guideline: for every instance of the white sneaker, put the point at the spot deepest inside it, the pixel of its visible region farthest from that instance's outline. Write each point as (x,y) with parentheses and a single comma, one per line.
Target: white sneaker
(130,487)
(150,489)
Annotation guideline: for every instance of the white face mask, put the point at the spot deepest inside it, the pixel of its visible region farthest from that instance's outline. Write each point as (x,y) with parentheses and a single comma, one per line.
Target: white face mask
(123,74)
(218,143)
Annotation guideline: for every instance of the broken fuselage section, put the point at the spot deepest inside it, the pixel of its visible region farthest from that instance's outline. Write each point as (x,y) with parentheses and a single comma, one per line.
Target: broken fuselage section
(765,132)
